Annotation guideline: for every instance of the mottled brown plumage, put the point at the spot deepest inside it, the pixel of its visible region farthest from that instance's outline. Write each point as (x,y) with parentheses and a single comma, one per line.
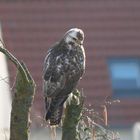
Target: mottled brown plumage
(63,67)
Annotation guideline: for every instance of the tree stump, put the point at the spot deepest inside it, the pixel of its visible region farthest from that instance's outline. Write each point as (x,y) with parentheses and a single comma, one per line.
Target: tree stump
(73,114)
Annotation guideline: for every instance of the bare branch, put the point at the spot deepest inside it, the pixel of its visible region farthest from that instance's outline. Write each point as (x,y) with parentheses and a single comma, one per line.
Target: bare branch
(13,59)
(4,79)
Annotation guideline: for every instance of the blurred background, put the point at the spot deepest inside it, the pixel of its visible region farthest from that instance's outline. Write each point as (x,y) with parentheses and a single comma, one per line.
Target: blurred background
(112,45)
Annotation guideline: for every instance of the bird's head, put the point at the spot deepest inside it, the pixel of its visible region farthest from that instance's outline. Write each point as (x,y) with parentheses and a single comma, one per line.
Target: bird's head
(74,36)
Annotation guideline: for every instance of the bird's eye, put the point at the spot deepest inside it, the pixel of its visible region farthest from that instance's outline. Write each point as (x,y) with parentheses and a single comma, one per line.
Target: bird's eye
(74,38)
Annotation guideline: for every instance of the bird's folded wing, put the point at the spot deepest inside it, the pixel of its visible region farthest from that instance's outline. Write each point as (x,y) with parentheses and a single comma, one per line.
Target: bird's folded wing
(54,77)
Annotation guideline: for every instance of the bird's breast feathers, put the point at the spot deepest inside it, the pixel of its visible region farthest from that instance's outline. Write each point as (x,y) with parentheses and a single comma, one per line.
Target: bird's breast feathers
(71,61)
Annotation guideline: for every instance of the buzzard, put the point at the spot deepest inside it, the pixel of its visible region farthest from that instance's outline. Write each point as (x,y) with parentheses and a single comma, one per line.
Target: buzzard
(64,65)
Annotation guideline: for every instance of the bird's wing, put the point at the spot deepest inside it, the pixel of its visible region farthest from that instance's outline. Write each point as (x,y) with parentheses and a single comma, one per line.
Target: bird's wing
(54,76)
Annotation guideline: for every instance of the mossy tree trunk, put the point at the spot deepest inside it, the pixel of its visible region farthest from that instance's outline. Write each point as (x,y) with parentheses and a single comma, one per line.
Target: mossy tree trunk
(22,101)
(24,90)
(73,114)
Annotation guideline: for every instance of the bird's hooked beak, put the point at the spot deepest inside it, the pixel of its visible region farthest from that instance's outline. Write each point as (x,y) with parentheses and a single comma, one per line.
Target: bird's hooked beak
(79,42)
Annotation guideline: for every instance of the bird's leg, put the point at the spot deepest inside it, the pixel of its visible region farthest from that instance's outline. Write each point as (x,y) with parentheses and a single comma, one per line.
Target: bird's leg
(53,132)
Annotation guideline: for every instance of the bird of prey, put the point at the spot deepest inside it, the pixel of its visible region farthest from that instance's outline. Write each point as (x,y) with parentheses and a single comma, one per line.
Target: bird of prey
(64,66)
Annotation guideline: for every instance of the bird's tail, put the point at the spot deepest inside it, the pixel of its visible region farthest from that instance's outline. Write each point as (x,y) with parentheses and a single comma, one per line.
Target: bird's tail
(54,113)
(56,116)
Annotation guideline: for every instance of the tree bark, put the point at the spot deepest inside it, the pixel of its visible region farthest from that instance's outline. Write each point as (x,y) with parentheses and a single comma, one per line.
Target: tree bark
(24,90)
(72,116)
